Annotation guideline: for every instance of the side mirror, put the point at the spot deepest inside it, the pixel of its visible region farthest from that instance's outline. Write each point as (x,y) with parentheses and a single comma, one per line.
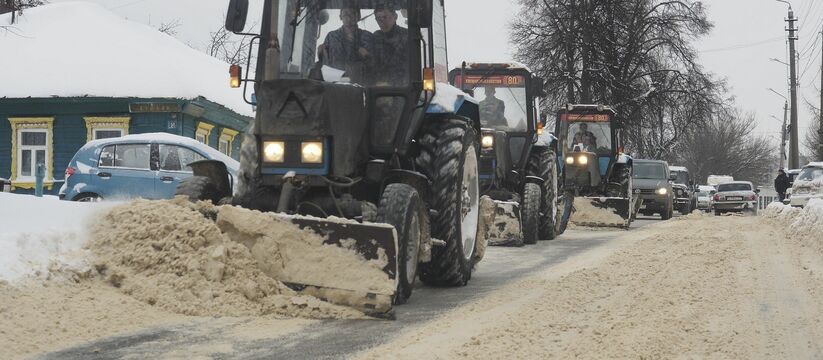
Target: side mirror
(236,15)
(757,191)
(538,87)
(420,13)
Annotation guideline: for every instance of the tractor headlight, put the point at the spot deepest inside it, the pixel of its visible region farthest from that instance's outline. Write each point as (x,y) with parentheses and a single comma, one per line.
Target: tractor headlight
(274,151)
(570,160)
(311,152)
(582,160)
(662,191)
(487,141)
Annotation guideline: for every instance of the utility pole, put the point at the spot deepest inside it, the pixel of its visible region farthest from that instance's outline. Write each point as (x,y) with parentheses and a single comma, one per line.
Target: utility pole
(794,152)
(783,135)
(820,129)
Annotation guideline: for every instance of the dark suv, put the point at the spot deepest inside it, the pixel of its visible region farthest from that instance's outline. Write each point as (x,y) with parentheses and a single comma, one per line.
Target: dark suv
(650,179)
(685,200)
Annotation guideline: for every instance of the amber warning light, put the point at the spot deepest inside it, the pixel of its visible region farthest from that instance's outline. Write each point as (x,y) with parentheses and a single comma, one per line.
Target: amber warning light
(234,72)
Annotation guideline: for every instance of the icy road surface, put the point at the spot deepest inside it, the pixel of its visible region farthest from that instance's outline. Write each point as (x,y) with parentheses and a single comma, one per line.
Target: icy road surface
(695,287)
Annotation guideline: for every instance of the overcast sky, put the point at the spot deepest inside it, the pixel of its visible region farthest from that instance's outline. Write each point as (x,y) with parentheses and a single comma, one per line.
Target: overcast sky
(747,34)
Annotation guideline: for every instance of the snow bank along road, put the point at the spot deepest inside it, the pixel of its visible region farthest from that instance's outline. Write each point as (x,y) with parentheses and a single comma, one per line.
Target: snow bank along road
(697,286)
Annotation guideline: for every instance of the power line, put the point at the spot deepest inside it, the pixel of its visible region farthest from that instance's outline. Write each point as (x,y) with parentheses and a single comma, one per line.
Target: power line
(743,46)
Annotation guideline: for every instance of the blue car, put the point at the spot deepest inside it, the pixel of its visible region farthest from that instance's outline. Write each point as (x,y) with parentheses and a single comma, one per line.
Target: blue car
(147,166)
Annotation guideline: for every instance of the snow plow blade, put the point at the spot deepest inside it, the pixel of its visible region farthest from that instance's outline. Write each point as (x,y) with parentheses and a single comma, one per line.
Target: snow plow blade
(306,263)
(505,225)
(601,212)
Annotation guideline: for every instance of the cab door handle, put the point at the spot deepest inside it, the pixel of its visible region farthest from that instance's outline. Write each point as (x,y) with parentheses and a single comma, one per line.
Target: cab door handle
(104,175)
(166,179)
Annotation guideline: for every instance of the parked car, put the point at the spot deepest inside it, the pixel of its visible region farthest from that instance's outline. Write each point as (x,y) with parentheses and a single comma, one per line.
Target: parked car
(145,166)
(807,185)
(735,196)
(704,197)
(685,200)
(651,179)
(792,174)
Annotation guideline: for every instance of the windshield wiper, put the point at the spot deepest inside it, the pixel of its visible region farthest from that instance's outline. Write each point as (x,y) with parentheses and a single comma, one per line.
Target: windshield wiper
(294,23)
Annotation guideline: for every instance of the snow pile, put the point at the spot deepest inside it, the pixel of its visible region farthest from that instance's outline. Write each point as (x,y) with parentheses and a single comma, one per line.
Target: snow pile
(805,223)
(168,254)
(81,49)
(39,234)
(586,214)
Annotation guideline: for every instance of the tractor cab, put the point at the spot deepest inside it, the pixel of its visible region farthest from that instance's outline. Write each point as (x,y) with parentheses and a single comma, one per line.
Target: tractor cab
(595,170)
(508,95)
(587,141)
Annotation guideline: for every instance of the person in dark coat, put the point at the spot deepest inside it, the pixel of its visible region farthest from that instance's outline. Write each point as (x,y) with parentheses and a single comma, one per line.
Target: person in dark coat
(391,51)
(781,184)
(349,47)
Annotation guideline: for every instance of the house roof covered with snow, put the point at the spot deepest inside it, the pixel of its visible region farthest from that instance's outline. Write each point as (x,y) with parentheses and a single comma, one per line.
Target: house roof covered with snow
(78,49)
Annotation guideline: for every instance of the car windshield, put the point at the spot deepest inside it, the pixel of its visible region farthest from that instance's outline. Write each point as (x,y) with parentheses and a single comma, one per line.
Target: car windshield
(810,173)
(682,177)
(364,41)
(734,187)
(702,194)
(649,171)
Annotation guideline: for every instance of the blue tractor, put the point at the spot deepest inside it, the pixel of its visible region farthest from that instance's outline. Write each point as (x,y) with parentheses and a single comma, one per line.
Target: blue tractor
(596,175)
(349,129)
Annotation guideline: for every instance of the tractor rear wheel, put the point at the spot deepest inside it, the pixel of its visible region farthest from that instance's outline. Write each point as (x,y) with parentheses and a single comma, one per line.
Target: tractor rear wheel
(401,207)
(530,213)
(448,156)
(542,164)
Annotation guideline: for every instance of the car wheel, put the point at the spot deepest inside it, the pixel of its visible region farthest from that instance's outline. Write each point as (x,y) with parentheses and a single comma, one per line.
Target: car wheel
(88,198)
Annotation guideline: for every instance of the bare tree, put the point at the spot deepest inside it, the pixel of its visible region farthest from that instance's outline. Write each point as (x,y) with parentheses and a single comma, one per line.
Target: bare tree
(635,55)
(228,47)
(727,145)
(16,7)
(169,28)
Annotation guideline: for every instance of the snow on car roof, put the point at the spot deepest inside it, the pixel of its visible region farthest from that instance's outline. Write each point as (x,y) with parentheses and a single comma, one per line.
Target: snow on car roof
(171,139)
(78,49)
(814,164)
(509,64)
(678,168)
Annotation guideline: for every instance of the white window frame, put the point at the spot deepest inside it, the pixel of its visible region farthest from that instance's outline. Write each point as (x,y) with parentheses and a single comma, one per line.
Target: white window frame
(18,126)
(95,130)
(95,124)
(33,149)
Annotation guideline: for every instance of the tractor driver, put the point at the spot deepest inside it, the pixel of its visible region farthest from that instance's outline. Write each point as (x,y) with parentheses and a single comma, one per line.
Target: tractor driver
(391,55)
(492,109)
(349,47)
(585,137)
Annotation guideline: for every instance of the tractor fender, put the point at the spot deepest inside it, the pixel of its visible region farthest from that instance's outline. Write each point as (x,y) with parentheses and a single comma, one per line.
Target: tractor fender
(546,139)
(218,173)
(534,180)
(624,159)
(418,181)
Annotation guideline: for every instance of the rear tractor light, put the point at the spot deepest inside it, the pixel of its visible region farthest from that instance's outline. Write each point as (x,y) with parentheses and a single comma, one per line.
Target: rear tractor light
(752,197)
(69,171)
(717,197)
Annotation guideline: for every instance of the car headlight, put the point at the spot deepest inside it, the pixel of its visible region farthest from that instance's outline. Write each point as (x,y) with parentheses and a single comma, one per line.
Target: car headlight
(487,141)
(582,160)
(274,151)
(311,152)
(570,160)
(662,191)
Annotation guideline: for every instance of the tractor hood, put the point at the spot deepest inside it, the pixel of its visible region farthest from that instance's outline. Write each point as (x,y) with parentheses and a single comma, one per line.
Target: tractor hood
(295,109)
